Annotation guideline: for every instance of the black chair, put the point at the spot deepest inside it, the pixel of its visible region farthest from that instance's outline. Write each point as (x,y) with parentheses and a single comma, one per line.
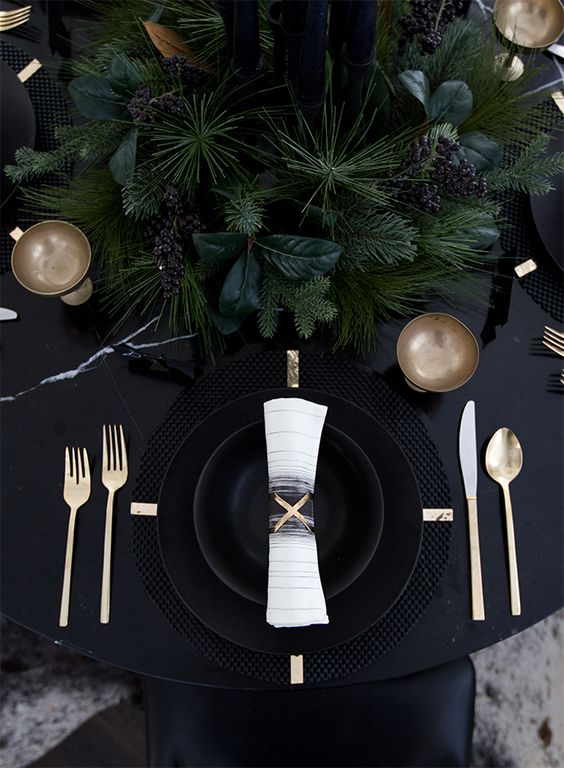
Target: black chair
(425,719)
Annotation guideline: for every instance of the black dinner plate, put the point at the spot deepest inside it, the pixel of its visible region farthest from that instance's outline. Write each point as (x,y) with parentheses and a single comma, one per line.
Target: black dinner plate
(231,515)
(17,124)
(352,610)
(547,209)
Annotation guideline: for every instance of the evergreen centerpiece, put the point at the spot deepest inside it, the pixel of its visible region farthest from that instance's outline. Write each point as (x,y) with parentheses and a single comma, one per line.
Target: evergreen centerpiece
(231,163)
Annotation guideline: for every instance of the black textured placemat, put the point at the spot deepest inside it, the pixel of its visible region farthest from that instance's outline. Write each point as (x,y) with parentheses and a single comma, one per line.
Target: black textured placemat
(545,285)
(50,111)
(367,390)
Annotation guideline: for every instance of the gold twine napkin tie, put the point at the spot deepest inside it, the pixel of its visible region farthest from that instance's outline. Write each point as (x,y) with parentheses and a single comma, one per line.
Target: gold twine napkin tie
(292,510)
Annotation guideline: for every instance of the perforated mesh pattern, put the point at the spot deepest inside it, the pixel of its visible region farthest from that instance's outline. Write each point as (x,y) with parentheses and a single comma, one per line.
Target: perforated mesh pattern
(264,371)
(50,110)
(544,285)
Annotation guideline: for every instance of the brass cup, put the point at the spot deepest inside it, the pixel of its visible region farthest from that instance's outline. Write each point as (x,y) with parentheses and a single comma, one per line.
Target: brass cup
(437,353)
(52,258)
(528,25)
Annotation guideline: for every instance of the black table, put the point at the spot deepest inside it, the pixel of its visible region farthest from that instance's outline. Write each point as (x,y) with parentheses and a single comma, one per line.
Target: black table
(61,382)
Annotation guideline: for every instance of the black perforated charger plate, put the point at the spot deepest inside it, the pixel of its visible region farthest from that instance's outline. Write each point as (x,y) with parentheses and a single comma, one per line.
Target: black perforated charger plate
(351,610)
(353,383)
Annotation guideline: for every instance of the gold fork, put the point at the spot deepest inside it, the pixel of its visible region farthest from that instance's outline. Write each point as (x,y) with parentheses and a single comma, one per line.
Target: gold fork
(114,477)
(76,492)
(554,340)
(15,18)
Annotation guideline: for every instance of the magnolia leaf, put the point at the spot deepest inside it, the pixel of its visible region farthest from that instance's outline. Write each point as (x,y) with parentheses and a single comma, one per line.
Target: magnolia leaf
(451,102)
(482,152)
(240,294)
(95,98)
(167,41)
(122,162)
(299,258)
(483,236)
(123,75)
(218,246)
(377,101)
(417,84)
(225,325)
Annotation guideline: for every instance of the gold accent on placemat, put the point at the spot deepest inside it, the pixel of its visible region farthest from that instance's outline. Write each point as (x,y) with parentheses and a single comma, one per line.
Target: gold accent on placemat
(438,515)
(297,670)
(142,508)
(29,70)
(291,510)
(558,98)
(525,268)
(292,368)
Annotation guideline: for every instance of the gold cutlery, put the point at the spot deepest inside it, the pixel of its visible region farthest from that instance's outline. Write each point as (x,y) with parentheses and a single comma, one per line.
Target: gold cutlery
(114,477)
(554,340)
(468,456)
(504,459)
(76,492)
(14,18)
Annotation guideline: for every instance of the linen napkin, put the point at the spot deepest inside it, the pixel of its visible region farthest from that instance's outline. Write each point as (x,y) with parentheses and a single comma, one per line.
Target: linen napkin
(293,429)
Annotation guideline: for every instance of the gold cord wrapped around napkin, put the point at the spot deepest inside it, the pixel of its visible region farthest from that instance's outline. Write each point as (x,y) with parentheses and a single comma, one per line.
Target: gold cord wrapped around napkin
(293,429)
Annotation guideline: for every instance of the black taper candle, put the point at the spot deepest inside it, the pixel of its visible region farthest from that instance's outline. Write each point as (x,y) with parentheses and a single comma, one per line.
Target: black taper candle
(246,45)
(311,75)
(292,22)
(338,29)
(273,14)
(359,53)
(226,11)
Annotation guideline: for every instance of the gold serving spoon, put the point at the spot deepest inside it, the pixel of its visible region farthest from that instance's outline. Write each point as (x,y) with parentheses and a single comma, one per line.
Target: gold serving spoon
(504,459)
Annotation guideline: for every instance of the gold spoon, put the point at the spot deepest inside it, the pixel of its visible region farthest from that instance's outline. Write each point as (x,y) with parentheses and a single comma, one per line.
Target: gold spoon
(504,459)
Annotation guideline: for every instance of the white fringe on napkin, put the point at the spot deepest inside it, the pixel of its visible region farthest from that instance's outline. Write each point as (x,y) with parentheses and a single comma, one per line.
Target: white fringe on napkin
(293,432)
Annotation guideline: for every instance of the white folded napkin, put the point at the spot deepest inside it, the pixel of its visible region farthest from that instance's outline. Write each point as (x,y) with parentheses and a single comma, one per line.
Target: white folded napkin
(293,431)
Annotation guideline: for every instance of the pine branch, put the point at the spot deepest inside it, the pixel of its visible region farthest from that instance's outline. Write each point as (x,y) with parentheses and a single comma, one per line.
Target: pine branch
(142,196)
(370,236)
(529,171)
(309,301)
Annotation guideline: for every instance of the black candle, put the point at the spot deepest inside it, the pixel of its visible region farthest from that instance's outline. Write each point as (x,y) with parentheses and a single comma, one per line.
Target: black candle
(294,16)
(361,32)
(225,10)
(338,26)
(246,46)
(311,77)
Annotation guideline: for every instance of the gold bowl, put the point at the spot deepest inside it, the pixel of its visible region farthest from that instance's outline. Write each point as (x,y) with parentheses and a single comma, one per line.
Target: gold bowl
(530,24)
(52,258)
(437,353)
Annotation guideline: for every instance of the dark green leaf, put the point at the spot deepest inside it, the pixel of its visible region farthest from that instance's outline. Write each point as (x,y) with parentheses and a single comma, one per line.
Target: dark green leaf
(451,102)
(122,162)
(482,152)
(218,246)
(225,325)
(123,76)
(240,294)
(483,236)
(377,102)
(417,84)
(299,258)
(95,99)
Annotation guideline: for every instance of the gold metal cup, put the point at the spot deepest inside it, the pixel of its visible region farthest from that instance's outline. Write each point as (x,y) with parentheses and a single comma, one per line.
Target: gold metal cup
(437,353)
(529,25)
(52,258)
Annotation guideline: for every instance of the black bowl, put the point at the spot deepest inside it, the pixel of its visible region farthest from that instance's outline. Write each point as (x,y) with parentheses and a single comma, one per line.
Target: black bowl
(231,511)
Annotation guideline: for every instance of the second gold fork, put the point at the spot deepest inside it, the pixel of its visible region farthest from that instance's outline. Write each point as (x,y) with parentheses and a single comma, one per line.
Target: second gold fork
(114,477)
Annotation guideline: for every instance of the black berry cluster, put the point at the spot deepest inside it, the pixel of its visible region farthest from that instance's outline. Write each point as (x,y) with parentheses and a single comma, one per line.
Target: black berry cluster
(143,107)
(428,21)
(426,175)
(179,67)
(170,232)
(455,179)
